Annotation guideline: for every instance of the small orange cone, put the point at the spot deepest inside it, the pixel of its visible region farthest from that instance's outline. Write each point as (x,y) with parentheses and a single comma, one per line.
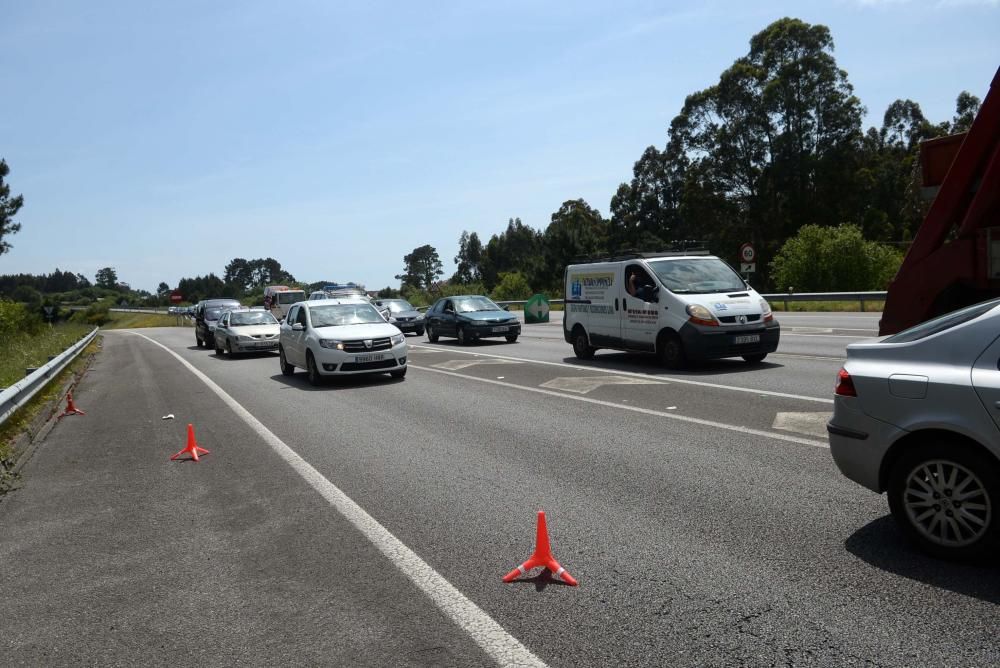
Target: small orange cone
(192,448)
(71,408)
(542,557)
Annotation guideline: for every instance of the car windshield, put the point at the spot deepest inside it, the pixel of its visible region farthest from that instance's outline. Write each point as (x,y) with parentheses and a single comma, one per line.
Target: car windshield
(242,318)
(344,314)
(212,313)
(397,305)
(697,276)
(942,323)
(469,304)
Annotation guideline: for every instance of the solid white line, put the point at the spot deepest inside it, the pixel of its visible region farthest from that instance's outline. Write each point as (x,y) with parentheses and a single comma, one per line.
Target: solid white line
(830,336)
(662,379)
(635,409)
(504,648)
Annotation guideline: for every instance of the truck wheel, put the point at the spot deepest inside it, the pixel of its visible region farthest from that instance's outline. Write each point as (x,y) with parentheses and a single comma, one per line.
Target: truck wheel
(581,346)
(945,497)
(671,351)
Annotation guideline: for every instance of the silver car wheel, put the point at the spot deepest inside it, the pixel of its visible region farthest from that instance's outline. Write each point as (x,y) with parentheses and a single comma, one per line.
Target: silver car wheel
(947,503)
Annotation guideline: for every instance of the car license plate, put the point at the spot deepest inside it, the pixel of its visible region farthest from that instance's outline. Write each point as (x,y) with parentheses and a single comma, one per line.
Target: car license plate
(749,338)
(501,329)
(264,344)
(361,359)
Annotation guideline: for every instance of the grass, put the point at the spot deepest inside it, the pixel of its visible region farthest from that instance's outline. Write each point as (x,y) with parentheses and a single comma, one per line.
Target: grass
(21,351)
(139,320)
(874,306)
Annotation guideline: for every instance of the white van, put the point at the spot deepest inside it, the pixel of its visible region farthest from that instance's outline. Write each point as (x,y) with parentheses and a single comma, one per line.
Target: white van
(279,298)
(682,306)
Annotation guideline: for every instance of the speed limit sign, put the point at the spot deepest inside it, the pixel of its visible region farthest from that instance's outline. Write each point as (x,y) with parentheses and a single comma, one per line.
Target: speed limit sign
(747,252)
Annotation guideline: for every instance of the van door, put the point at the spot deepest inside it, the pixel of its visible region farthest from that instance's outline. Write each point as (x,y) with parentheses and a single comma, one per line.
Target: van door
(639,311)
(596,291)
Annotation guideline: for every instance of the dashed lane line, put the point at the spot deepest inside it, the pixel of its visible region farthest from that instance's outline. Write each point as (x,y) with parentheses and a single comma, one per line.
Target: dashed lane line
(502,647)
(665,379)
(635,409)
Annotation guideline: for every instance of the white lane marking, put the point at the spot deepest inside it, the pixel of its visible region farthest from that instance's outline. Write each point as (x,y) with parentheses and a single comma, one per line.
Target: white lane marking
(647,411)
(504,648)
(456,365)
(809,357)
(810,330)
(585,384)
(810,424)
(669,379)
(831,336)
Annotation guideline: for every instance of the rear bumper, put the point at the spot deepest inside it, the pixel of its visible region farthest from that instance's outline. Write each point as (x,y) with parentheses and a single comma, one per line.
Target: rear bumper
(706,343)
(859,442)
(486,331)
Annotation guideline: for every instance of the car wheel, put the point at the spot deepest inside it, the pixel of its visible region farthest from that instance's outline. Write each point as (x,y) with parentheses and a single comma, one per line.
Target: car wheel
(218,351)
(229,347)
(463,339)
(511,338)
(314,377)
(945,499)
(286,368)
(197,339)
(671,351)
(398,373)
(754,359)
(431,334)
(581,346)
(419,332)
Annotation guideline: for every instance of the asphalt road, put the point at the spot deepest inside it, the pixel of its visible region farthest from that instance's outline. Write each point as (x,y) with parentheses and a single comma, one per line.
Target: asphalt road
(700,511)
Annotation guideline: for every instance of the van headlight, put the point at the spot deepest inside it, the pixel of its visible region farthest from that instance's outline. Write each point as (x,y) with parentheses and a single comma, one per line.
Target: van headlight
(397,339)
(333,344)
(700,315)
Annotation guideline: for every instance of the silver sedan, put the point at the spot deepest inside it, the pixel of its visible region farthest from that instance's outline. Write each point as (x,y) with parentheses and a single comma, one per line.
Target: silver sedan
(245,332)
(917,415)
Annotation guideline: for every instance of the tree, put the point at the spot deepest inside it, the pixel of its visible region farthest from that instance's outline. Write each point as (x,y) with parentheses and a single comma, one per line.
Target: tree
(470,255)
(9,206)
(838,259)
(106,278)
(162,289)
(388,292)
(966,108)
(576,229)
(422,268)
(512,286)
(518,248)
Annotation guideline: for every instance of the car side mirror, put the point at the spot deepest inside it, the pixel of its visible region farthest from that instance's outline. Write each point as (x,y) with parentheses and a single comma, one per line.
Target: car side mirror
(298,327)
(505,307)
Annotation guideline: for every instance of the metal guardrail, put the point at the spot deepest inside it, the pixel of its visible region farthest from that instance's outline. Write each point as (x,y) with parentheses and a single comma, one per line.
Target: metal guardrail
(784,297)
(23,390)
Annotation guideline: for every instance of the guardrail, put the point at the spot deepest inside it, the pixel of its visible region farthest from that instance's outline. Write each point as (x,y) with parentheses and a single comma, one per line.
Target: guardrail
(784,297)
(23,390)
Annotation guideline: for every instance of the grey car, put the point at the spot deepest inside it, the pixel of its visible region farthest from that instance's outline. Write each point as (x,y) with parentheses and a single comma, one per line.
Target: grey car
(246,331)
(917,415)
(403,315)
(468,318)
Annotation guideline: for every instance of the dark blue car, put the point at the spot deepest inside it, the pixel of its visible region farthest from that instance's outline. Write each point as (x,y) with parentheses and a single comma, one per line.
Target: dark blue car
(470,317)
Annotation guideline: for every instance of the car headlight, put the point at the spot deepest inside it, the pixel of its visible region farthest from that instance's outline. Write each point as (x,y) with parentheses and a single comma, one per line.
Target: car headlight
(765,311)
(392,319)
(701,315)
(420,316)
(333,344)
(397,339)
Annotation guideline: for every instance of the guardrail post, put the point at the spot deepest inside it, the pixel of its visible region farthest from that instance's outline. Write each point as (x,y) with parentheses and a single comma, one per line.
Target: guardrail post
(862,304)
(30,370)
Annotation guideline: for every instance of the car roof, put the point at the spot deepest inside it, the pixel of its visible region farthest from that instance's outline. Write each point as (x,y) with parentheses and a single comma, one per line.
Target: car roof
(336,301)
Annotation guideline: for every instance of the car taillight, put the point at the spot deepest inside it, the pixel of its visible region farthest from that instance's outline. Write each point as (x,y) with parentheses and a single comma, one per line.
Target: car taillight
(845,385)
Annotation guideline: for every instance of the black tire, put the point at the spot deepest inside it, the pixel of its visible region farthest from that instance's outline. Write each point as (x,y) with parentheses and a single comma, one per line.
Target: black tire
(581,345)
(218,351)
(511,338)
(754,359)
(431,335)
(398,373)
(463,339)
(229,347)
(197,339)
(670,350)
(420,331)
(286,368)
(966,476)
(311,370)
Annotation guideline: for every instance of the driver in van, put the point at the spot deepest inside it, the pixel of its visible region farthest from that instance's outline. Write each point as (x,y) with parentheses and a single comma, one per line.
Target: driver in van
(643,290)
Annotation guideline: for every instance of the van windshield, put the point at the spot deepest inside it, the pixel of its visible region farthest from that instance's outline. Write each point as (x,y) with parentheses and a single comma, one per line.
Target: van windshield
(697,276)
(291,296)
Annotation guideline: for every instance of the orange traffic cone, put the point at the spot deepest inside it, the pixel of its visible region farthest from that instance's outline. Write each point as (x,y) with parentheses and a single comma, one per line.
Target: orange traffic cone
(71,408)
(542,557)
(192,448)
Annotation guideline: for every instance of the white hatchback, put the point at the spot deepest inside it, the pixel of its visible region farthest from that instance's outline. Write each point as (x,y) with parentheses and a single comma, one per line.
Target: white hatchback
(333,337)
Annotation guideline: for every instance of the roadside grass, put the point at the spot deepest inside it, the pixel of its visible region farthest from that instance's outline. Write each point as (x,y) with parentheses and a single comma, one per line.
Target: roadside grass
(22,351)
(874,306)
(140,320)
(23,419)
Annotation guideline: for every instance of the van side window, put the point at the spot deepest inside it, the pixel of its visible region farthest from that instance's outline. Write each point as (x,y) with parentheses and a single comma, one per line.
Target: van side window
(638,282)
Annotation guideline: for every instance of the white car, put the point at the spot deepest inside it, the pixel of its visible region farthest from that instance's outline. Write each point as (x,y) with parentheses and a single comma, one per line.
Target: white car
(333,337)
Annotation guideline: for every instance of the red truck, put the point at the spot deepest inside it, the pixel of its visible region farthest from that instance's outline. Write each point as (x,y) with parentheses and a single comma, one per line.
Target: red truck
(954,260)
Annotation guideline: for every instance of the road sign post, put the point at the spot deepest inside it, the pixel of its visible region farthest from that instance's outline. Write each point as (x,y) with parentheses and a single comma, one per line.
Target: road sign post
(748,255)
(536,309)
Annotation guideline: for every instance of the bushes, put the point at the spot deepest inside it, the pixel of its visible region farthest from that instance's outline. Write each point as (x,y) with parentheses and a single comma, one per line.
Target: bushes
(834,259)
(18,319)
(97,314)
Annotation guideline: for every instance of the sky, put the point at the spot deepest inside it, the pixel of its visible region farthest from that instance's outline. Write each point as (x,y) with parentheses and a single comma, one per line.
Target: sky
(165,139)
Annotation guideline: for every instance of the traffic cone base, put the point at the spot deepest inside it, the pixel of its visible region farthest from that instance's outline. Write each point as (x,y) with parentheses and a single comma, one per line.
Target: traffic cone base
(542,557)
(192,447)
(71,408)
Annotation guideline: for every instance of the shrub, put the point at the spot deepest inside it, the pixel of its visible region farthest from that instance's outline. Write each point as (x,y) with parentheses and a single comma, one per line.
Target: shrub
(834,259)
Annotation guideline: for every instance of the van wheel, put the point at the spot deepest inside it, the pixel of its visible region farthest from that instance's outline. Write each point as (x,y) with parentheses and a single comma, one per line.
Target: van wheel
(945,499)
(671,351)
(755,359)
(286,368)
(581,346)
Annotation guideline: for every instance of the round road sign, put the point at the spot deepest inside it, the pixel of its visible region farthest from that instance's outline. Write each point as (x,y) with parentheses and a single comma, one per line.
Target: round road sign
(747,252)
